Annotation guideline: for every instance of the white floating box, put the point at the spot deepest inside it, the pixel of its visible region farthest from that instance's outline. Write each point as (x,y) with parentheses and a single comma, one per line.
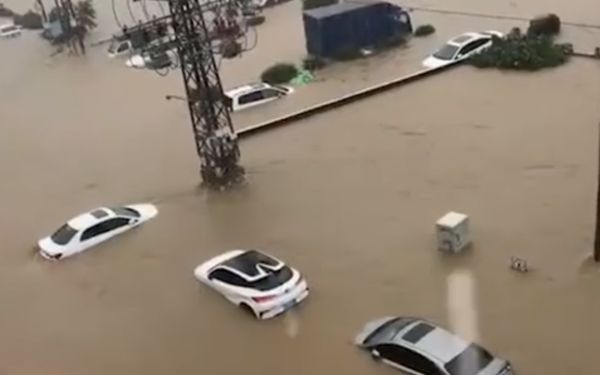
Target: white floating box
(453,232)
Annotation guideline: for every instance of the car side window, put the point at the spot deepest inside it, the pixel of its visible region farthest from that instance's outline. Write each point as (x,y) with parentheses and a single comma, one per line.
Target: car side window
(271,93)
(473,46)
(122,47)
(104,227)
(227,277)
(417,362)
(408,359)
(390,352)
(251,97)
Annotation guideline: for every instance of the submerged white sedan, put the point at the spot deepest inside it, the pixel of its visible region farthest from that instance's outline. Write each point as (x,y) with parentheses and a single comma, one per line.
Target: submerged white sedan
(257,282)
(92,228)
(461,47)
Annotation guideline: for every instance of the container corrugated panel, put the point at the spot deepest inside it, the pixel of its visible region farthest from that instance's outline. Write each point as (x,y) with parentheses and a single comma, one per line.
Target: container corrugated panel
(355,25)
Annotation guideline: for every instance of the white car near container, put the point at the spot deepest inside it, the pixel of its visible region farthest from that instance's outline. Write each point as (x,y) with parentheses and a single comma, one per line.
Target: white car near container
(252,95)
(10,31)
(258,283)
(92,228)
(461,47)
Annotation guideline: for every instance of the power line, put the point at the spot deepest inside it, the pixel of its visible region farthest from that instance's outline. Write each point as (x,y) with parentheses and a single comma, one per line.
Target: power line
(115,15)
(133,18)
(498,16)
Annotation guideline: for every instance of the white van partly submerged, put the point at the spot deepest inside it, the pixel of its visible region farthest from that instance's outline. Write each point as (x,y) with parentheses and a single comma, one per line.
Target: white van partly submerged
(10,31)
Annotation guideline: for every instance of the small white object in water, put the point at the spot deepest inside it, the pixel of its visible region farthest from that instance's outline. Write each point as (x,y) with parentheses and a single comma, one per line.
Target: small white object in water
(366,52)
(518,264)
(453,232)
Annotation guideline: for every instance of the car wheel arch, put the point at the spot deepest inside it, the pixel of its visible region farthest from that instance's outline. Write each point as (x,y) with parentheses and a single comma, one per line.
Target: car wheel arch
(247,309)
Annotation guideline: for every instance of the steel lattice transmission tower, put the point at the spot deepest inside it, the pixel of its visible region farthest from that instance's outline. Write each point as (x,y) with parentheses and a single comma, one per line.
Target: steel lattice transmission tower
(215,138)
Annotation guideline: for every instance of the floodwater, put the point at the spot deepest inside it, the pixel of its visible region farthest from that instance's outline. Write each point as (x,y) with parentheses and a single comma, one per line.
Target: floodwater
(349,197)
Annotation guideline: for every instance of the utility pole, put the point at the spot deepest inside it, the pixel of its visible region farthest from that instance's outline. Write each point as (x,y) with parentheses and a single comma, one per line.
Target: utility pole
(215,138)
(42,10)
(597,232)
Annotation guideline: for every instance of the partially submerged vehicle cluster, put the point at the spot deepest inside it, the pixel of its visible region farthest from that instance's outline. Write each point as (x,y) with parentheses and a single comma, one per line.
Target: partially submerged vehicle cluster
(265,287)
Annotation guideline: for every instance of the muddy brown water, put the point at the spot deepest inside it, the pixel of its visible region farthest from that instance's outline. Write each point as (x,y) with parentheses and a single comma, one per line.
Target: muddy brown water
(349,197)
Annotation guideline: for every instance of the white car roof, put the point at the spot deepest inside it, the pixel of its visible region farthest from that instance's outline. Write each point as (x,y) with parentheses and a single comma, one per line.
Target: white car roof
(249,264)
(465,38)
(88,219)
(8,26)
(442,344)
(244,89)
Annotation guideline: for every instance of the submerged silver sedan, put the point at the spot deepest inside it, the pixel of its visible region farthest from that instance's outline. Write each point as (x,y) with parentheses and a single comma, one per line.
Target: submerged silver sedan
(418,347)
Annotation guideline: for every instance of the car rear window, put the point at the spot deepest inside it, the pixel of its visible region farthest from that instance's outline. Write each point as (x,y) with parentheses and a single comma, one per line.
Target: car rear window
(447,52)
(273,279)
(63,235)
(470,362)
(388,331)
(125,211)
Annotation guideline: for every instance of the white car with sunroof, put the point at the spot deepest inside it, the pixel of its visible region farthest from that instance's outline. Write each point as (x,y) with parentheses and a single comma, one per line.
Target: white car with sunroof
(92,228)
(461,47)
(257,282)
(418,347)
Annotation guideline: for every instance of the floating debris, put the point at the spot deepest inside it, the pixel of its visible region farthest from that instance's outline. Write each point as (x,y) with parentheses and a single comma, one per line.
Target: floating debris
(519,264)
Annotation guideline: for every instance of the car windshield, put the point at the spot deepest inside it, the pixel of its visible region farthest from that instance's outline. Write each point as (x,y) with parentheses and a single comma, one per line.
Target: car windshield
(447,52)
(388,330)
(114,45)
(63,235)
(470,362)
(273,279)
(281,88)
(125,211)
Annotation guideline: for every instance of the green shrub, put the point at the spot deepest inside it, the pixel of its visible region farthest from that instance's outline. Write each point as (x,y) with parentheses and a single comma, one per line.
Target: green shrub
(424,30)
(548,24)
(522,52)
(313,63)
(5,12)
(312,4)
(279,73)
(29,20)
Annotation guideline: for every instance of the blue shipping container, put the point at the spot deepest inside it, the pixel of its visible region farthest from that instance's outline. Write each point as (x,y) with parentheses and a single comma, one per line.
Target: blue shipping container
(352,25)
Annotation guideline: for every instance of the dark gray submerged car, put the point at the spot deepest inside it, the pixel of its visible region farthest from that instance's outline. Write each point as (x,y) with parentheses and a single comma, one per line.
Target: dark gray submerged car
(418,347)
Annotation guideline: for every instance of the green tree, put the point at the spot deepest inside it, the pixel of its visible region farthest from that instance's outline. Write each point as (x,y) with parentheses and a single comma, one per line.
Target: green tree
(85,14)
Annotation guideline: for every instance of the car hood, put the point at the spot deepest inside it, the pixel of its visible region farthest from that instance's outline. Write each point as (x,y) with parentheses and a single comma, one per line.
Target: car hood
(147,211)
(369,328)
(433,62)
(50,247)
(494,32)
